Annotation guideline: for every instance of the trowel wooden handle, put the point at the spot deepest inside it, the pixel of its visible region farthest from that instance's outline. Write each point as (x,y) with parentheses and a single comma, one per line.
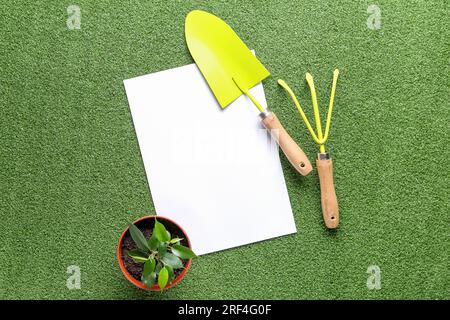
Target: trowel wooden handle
(329,201)
(293,152)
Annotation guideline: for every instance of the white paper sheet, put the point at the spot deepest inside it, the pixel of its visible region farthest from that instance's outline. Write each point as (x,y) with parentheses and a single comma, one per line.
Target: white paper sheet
(215,172)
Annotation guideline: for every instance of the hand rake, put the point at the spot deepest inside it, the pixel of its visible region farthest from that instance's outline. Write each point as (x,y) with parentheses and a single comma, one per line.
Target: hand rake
(324,163)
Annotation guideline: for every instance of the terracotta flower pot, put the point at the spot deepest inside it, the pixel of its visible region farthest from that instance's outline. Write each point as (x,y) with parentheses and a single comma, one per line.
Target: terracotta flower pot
(167,223)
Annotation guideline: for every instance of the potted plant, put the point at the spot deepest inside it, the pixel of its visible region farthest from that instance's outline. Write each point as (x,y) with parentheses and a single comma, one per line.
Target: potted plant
(154,253)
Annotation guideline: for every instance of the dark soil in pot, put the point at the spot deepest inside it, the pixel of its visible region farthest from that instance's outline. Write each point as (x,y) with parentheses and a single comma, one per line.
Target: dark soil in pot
(146,226)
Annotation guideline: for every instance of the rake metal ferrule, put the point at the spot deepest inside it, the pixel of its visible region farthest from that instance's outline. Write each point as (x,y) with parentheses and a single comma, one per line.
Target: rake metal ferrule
(321,137)
(323,156)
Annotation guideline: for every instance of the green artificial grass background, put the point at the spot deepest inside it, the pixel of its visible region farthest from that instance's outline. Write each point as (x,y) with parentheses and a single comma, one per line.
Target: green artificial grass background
(72,178)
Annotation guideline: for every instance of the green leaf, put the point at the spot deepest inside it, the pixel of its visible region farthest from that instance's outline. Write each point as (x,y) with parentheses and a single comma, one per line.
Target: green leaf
(149,266)
(162,248)
(160,232)
(175,240)
(172,260)
(163,278)
(150,279)
(183,252)
(153,242)
(158,267)
(171,273)
(138,238)
(137,256)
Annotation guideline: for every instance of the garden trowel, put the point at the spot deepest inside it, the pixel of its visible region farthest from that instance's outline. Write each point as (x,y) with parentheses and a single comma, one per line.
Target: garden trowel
(231,69)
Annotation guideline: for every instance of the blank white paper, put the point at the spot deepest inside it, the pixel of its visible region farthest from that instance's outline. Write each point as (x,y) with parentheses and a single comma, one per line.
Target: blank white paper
(215,172)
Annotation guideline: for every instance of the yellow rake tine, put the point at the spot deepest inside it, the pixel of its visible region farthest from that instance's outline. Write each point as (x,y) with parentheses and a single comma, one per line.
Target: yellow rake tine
(299,108)
(330,107)
(321,141)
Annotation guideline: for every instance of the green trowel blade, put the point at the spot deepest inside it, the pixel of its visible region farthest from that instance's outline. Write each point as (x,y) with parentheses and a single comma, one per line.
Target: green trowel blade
(221,56)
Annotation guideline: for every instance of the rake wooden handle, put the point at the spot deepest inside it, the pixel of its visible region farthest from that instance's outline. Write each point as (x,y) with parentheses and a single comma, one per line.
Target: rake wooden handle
(330,208)
(293,152)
